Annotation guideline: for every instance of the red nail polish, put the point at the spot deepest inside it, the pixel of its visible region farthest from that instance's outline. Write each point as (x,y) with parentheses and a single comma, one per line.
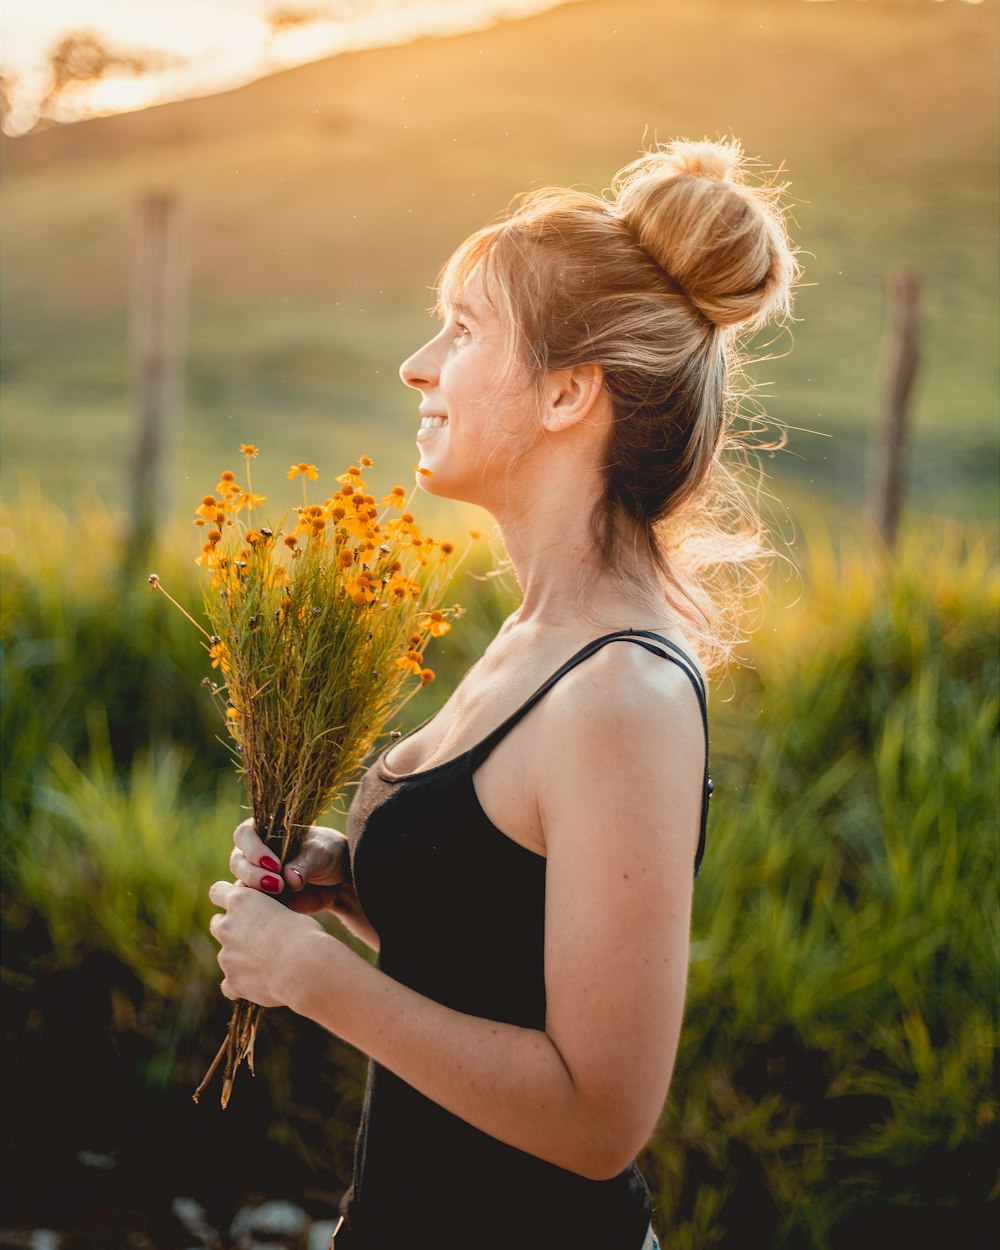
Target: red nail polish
(267,862)
(271,884)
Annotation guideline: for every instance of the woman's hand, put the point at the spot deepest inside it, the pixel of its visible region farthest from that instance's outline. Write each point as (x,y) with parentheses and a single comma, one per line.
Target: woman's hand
(259,941)
(317,879)
(312,879)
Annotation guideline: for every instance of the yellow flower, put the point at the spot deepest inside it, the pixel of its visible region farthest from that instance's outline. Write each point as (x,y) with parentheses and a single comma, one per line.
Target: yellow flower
(367,462)
(290,541)
(248,449)
(214,536)
(307,470)
(412,660)
(360,589)
(396,498)
(423,472)
(226,483)
(446,549)
(350,478)
(247,499)
(434,623)
(232,713)
(426,676)
(207,508)
(345,559)
(221,657)
(475,536)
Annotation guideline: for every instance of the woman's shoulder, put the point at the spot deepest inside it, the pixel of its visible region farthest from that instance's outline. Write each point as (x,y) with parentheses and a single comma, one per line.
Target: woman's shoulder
(625,690)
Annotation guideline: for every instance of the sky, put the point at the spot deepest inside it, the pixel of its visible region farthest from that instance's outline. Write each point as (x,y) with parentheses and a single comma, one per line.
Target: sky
(219,43)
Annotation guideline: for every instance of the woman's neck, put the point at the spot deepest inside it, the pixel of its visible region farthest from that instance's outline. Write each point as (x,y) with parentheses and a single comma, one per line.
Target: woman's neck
(564,583)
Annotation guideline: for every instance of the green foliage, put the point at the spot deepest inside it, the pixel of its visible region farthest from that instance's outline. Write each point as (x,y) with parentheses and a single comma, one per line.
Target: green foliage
(836,1063)
(76,639)
(840,1038)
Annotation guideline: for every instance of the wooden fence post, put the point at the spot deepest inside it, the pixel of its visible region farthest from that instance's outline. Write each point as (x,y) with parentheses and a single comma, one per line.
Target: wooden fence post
(902,357)
(155,327)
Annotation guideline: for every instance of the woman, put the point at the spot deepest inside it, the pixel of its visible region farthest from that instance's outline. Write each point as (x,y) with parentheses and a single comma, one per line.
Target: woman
(523,862)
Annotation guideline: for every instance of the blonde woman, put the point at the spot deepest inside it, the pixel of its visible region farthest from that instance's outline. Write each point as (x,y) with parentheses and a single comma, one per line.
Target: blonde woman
(523,862)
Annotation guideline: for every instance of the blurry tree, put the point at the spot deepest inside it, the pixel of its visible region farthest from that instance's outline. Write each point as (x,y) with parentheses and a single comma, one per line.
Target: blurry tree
(81,58)
(287,17)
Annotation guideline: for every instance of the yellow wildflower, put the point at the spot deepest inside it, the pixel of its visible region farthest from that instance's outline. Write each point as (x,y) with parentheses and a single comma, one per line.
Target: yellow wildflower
(360,589)
(248,449)
(345,559)
(246,499)
(434,623)
(307,470)
(423,472)
(291,542)
(221,657)
(426,676)
(350,478)
(396,498)
(207,508)
(446,549)
(226,483)
(366,462)
(412,660)
(232,713)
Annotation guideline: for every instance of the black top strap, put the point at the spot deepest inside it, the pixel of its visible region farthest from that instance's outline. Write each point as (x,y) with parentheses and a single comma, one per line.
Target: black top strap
(673,653)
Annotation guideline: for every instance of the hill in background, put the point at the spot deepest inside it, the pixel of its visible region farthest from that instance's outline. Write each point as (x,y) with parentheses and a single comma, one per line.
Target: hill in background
(320,202)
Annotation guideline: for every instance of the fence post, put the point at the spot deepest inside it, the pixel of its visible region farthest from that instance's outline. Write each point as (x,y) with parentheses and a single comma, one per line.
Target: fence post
(902,356)
(155,339)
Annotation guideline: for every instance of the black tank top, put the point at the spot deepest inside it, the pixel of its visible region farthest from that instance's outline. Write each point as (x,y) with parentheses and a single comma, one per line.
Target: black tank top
(459,909)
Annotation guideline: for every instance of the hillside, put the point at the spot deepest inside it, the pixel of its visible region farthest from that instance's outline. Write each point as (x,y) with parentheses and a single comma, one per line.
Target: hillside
(321,201)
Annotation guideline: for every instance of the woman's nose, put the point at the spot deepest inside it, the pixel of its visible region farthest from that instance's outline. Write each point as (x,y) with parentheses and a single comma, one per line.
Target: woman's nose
(420,369)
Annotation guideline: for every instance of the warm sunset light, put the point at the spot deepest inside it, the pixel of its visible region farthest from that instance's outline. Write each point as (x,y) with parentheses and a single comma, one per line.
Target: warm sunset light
(198,47)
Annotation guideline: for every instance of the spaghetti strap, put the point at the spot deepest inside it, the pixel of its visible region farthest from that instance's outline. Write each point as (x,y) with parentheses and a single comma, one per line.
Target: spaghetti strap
(641,637)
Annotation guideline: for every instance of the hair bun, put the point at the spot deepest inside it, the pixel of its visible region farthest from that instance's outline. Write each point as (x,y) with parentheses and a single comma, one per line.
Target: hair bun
(711,160)
(721,239)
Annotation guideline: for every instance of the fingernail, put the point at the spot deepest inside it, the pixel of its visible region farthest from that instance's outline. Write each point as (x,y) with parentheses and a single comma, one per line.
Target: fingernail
(267,862)
(271,884)
(302,879)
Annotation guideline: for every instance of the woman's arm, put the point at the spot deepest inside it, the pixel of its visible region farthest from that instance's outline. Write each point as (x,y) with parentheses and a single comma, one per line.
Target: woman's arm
(617,780)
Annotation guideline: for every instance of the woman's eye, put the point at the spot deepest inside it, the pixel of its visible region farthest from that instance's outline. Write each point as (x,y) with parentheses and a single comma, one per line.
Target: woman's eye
(461,331)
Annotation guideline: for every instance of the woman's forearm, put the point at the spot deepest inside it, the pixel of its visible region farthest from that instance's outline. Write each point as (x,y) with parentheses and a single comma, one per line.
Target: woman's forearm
(508,1081)
(348,910)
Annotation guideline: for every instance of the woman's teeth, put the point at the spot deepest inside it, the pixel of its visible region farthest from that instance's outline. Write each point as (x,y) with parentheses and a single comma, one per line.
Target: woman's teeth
(432,423)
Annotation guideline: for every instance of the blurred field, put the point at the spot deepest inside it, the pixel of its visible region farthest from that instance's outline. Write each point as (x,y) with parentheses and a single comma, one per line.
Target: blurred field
(321,201)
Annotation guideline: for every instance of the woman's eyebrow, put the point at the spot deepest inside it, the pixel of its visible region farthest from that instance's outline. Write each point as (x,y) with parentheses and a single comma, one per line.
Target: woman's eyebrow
(460,309)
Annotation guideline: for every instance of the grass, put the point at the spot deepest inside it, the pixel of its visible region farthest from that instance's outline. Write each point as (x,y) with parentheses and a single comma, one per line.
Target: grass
(835,1078)
(321,201)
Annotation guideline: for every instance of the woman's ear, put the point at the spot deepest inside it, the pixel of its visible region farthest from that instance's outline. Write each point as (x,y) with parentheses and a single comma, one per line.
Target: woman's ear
(572,396)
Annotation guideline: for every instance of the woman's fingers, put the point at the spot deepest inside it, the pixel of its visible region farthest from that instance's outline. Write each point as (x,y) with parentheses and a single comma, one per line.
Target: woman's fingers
(257,878)
(322,860)
(245,837)
(252,863)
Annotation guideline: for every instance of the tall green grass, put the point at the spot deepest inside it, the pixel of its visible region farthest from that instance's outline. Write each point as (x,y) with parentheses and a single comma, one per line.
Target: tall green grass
(835,1079)
(836,1066)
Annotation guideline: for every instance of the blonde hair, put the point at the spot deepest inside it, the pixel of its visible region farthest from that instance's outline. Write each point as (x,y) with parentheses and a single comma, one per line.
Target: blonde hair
(656,283)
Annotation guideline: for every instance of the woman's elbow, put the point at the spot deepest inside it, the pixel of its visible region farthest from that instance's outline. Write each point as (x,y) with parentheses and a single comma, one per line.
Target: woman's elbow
(606,1151)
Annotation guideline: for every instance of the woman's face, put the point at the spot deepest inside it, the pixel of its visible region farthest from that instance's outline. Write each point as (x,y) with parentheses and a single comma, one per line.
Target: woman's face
(475,406)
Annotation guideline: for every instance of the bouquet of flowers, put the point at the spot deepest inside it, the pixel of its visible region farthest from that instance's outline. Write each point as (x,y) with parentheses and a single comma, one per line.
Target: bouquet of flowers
(317,630)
